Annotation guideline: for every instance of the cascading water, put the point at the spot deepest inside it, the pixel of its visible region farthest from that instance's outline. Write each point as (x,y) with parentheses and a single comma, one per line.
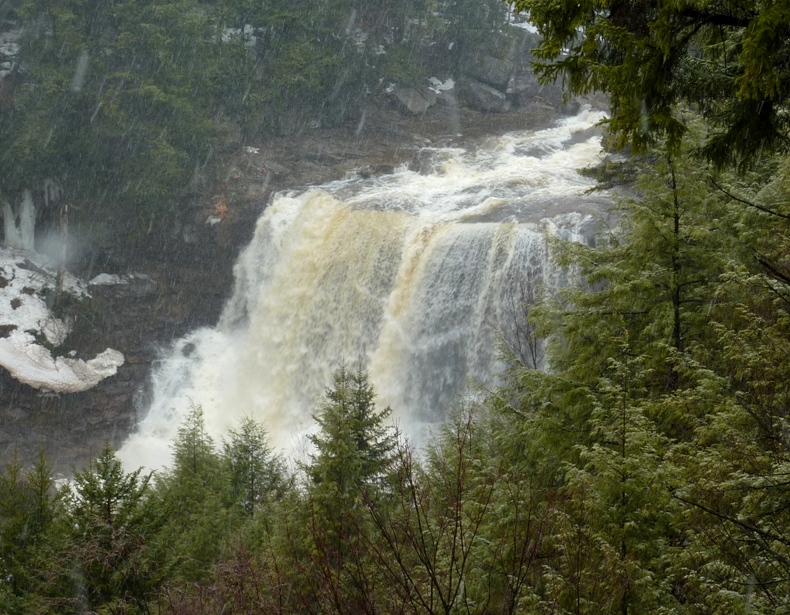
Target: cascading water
(411,272)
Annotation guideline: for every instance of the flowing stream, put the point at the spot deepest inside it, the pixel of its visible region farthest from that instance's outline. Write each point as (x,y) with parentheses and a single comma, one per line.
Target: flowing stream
(413,273)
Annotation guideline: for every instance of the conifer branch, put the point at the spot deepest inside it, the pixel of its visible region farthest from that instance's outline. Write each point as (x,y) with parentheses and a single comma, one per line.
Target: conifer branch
(749,203)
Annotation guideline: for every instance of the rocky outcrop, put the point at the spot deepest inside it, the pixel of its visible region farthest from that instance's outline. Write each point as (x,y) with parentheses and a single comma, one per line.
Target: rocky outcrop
(482,97)
(525,89)
(490,84)
(414,101)
(489,70)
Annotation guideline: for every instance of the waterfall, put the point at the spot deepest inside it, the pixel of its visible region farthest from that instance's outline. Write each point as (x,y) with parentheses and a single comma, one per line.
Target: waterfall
(411,272)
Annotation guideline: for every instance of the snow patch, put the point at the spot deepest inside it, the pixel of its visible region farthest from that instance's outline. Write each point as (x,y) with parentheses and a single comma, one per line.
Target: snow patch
(27,284)
(108,279)
(438,86)
(35,366)
(9,49)
(525,25)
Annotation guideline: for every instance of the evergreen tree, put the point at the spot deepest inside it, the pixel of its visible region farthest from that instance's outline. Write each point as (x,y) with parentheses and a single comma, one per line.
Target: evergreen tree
(515,536)
(726,59)
(434,532)
(353,455)
(734,470)
(614,525)
(353,446)
(30,512)
(109,525)
(255,472)
(191,500)
(625,393)
(194,455)
(116,106)
(645,290)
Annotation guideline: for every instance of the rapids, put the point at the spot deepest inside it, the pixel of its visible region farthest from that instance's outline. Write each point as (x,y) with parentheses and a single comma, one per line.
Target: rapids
(413,272)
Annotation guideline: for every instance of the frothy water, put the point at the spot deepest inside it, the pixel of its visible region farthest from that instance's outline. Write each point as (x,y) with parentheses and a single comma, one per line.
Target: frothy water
(411,272)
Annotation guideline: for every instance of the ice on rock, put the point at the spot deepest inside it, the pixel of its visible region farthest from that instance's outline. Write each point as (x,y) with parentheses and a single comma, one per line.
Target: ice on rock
(27,279)
(35,366)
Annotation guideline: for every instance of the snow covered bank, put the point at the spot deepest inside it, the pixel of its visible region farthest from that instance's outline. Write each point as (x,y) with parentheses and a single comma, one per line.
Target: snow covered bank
(28,328)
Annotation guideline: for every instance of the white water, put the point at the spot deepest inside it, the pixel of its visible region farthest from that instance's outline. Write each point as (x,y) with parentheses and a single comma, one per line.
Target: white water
(411,272)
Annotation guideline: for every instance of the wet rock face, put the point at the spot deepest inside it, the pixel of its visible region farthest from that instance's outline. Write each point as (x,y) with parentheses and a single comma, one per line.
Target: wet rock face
(492,71)
(482,97)
(414,101)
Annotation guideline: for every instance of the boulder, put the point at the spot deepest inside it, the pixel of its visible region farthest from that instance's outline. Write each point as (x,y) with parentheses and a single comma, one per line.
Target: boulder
(525,89)
(131,285)
(413,101)
(489,70)
(482,97)
(447,98)
(9,50)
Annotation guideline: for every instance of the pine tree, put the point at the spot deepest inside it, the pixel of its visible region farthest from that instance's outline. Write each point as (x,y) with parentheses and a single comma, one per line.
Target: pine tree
(652,58)
(194,454)
(30,512)
(191,501)
(109,526)
(255,472)
(353,455)
(353,445)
